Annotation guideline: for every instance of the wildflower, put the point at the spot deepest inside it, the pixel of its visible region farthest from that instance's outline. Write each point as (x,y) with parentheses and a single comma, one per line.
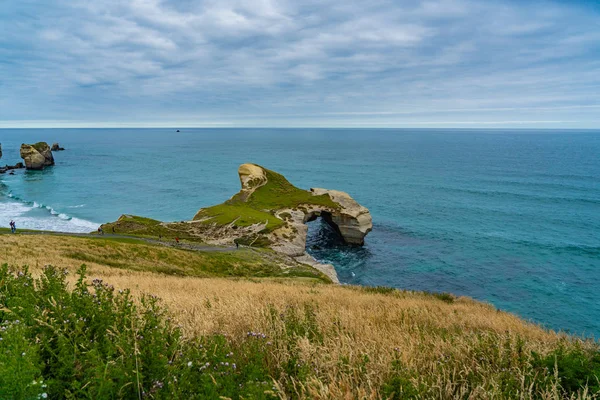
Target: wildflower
(189,364)
(23,354)
(158,384)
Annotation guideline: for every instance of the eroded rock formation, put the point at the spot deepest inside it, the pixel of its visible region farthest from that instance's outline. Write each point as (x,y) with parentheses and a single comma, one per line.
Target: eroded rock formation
(295,208)
(56,147)
(37,156)
(271,212)
(352,220)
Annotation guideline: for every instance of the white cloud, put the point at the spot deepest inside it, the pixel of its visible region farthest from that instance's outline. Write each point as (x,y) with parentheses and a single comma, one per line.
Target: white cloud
(117,58)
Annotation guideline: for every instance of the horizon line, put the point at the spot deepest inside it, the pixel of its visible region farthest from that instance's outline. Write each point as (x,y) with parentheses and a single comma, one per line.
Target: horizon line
(421,127)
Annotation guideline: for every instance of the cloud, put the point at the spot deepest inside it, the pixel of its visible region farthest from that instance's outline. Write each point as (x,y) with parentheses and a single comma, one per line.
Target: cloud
(300,62)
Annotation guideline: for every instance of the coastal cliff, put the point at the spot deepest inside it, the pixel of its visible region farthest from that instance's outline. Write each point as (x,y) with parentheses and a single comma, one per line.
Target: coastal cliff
(278,214)
(267,212)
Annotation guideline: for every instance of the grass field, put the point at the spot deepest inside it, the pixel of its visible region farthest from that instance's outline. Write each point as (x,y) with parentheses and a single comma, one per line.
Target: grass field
(260,337)
(137,255)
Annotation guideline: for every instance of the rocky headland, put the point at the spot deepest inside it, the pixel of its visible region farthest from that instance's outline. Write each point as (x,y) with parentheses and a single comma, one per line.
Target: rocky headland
(268,212)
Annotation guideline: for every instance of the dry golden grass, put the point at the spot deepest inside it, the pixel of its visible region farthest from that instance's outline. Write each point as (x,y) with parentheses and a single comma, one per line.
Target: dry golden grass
(363,332)
(420,329)
(36,250)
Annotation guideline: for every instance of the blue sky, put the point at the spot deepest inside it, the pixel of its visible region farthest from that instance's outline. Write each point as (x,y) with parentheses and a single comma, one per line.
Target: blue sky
(301,63)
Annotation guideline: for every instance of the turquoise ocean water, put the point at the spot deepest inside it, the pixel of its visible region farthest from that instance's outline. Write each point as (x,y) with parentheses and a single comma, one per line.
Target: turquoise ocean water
(508,217)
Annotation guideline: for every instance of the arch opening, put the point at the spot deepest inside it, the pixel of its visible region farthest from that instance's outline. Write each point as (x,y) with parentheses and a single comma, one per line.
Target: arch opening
(323,233)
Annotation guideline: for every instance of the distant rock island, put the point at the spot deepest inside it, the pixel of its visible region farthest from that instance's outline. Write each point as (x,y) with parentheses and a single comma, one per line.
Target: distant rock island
(56,147)
(268,212)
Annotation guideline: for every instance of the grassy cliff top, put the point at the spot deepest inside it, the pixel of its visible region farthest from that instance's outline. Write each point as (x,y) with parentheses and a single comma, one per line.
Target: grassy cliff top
(279,193)
(259,207)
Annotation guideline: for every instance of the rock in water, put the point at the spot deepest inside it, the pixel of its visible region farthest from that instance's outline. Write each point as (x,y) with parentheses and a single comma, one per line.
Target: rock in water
(352,220)
(56,147)
(37,156)
(0,150)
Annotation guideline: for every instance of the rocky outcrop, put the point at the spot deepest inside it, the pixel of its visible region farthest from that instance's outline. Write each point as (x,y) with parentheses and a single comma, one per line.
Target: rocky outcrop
(0,150)
(37,156)
(11,168)
(251,177)
(352,220)
(56,147)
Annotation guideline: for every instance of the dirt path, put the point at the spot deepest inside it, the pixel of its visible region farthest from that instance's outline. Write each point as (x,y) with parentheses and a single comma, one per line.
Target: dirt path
(166,243)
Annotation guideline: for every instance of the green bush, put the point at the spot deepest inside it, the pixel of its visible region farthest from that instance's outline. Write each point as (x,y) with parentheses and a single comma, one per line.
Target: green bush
(95,342)
(445,297)
(574,368)
(379,289)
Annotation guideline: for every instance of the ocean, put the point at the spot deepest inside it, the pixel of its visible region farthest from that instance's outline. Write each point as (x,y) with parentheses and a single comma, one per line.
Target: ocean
(507,217)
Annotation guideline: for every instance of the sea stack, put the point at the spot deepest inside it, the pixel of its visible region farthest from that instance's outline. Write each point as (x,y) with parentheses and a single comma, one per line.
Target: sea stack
(37,156)
(56,147)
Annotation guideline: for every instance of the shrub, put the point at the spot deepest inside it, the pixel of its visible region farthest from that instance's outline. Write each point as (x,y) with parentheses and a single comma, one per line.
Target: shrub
(96,342)
(379,289)
(574,368)
(445,297)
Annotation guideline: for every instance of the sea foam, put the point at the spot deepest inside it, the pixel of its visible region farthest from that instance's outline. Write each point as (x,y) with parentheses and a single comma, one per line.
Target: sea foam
(20,211)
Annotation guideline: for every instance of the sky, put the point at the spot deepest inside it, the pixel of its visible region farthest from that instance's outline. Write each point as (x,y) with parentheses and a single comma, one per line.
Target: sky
(300,63)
